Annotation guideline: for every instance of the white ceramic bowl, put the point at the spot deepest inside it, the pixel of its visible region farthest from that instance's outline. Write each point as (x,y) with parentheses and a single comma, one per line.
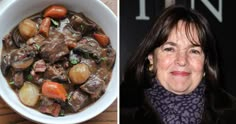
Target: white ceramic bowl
(13,11)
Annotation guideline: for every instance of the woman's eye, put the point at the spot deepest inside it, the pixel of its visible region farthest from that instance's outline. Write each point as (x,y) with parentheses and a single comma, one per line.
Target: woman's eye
(168,49)
(195,51)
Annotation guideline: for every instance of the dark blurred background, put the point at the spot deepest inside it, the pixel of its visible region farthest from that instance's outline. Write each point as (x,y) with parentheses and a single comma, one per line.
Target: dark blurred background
(137,17)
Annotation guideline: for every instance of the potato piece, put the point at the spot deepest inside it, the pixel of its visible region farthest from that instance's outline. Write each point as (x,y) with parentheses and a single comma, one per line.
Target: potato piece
(27,28)
(79,73)
(29,94)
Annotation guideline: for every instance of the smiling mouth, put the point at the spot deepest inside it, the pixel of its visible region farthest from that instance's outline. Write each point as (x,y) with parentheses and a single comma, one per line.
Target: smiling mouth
(180,73)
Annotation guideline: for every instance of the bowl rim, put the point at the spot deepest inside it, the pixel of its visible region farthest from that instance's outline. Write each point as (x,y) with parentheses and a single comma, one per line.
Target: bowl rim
(4,4)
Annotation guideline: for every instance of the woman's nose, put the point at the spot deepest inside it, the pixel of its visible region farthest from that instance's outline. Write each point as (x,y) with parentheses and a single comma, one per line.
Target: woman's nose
(181,58)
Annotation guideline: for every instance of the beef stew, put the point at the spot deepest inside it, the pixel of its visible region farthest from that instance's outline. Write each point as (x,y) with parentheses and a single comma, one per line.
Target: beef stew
(57,61)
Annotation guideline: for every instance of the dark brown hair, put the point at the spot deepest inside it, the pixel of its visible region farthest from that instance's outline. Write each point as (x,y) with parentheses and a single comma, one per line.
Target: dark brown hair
(137,68)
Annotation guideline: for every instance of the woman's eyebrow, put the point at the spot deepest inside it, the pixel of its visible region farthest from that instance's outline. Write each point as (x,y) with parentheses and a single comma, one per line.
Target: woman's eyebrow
(195,45)
(170,43)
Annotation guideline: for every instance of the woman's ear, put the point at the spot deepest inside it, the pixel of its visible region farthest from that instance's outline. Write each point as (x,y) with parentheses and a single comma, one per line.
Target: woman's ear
(150,59)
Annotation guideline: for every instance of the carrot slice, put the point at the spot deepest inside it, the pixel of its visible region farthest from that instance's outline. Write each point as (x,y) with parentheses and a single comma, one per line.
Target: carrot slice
(102,39)
(54,90)
(55,11)
(45,27)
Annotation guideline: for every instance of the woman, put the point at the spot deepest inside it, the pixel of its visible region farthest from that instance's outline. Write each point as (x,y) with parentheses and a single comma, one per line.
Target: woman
(173,78)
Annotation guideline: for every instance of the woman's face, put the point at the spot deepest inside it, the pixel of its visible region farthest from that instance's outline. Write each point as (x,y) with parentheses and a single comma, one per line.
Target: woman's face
(179,64)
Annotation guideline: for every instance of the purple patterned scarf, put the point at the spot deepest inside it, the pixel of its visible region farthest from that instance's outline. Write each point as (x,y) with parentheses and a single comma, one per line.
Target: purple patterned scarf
(177,109)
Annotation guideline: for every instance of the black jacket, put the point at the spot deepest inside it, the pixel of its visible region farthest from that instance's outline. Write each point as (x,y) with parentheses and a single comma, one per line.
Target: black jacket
(220,107)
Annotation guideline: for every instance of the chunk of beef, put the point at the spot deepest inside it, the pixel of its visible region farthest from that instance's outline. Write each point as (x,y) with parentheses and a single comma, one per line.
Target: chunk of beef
(48,106)
(81,23)
(94,86)
(70,34)
(53,48)
(54,51)
(104,74)
(89,48)
(56,73)
(78,100)
(55,35)
(39,66)
(37,39)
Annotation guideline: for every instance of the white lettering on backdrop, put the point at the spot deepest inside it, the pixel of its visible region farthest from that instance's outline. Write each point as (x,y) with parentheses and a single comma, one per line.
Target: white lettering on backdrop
(142,11)
(216,12)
